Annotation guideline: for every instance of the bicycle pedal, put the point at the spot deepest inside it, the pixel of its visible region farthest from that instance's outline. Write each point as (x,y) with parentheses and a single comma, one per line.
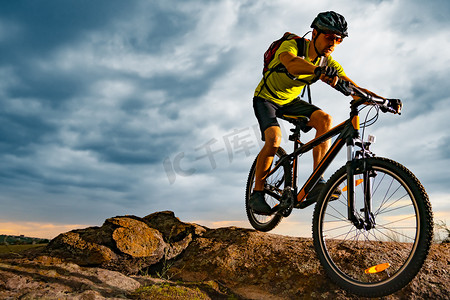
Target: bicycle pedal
(334,197)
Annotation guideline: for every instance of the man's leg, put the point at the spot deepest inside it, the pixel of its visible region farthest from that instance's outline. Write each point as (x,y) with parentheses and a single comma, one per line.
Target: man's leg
(322,122)
(265,157)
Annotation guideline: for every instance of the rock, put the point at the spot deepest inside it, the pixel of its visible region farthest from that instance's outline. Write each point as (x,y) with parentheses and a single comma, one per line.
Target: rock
(26,279)
(171,227)
(135,238)
(126,243)
(176,233)
(73,247)
(254,264)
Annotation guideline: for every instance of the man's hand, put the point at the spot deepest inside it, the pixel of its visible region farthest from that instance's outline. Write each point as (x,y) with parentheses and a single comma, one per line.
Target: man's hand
(327,74)
(393,105)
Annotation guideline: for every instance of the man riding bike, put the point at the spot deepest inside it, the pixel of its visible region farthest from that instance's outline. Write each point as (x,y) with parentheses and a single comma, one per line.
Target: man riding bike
(278,94)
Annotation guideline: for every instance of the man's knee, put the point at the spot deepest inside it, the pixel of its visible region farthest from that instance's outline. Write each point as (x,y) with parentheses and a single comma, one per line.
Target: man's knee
(320,120)
(272,136)
(327,120)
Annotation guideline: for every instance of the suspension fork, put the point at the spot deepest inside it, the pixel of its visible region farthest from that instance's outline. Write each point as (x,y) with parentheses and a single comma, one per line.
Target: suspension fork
(359,166)
(351,183)
(368,215)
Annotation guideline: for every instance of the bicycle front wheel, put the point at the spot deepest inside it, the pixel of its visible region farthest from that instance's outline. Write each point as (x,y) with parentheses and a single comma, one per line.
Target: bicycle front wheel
(378,261)
(274,186)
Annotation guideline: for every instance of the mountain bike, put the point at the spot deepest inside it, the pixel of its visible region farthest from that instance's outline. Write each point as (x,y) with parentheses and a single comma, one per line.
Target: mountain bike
(374,237)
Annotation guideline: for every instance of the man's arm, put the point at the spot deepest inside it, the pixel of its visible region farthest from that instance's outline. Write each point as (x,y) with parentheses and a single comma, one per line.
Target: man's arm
(298,66)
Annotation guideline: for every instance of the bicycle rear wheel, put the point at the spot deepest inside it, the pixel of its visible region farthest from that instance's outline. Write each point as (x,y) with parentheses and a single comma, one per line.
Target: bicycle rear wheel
(378,261)
(275,183)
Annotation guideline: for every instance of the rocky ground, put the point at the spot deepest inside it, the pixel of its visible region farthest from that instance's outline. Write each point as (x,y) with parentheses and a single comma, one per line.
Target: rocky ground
(160,257)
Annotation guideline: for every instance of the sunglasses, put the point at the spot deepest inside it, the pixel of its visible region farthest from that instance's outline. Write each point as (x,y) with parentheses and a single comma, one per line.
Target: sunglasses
(333,37)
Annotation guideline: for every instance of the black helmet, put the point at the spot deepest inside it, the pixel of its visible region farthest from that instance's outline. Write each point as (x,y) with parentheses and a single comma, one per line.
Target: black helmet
(330,21)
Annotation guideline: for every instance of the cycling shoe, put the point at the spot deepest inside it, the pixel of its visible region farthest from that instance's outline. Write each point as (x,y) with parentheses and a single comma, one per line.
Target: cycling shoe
(315,192)
(258,204)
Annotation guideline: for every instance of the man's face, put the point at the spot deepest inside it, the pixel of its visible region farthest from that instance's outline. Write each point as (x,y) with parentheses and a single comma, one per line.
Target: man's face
(325,42)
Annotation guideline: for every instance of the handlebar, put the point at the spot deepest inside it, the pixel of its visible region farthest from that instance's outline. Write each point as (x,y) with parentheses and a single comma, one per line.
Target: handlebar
(386,105)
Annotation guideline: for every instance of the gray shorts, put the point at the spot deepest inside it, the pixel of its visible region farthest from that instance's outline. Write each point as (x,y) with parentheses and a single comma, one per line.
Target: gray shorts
(267,111)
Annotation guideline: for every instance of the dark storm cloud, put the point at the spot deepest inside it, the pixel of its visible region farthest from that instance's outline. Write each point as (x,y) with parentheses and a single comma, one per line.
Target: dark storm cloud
(187,91)
(43,25)
(46,26)
(443,147)
(41,100)
(426,95)
(164,24)
(124,146)
(419,17)
(18,132)
(52,88)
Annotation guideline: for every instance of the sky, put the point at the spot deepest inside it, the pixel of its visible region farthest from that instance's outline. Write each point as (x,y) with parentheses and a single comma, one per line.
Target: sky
(115,108)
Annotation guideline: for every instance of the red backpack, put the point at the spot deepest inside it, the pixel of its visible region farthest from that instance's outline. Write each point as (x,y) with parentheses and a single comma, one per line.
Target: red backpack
(270,53)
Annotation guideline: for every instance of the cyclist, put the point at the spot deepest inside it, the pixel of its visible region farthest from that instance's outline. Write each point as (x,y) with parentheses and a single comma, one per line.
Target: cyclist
(278,93)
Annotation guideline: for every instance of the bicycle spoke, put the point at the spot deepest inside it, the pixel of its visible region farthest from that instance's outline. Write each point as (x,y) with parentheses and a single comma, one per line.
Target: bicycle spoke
(340,213)
(386,200)
(394,209)
(337,228)
(380,181)
(400,220)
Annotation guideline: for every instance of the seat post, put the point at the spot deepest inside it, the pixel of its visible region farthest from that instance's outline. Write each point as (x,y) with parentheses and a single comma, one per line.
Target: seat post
(295,136)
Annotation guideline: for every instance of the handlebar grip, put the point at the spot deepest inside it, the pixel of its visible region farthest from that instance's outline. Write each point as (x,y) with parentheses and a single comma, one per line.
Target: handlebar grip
(394,106)
(345,87)
(384,107)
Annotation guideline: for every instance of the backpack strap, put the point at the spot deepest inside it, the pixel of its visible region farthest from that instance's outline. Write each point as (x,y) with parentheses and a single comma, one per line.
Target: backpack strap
(322,63)
(301,46)
(280,68)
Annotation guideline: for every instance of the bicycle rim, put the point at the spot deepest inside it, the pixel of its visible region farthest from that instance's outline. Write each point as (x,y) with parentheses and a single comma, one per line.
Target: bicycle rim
(277,183)
(383,259)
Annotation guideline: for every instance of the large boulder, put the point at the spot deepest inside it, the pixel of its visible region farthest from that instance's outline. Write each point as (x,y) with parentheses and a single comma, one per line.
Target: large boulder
(126,243)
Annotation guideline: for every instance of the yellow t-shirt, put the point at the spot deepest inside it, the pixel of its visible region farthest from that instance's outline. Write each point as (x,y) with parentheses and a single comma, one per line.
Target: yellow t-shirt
(280,84)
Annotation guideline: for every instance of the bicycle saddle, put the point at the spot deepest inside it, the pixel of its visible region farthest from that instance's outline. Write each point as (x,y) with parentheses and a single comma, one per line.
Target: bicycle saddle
(298,121)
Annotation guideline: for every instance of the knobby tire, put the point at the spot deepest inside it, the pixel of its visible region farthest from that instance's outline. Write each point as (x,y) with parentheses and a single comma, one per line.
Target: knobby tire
(402,235)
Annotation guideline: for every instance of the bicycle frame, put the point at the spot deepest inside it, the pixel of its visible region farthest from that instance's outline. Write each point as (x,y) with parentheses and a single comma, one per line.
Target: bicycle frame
(347,132)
